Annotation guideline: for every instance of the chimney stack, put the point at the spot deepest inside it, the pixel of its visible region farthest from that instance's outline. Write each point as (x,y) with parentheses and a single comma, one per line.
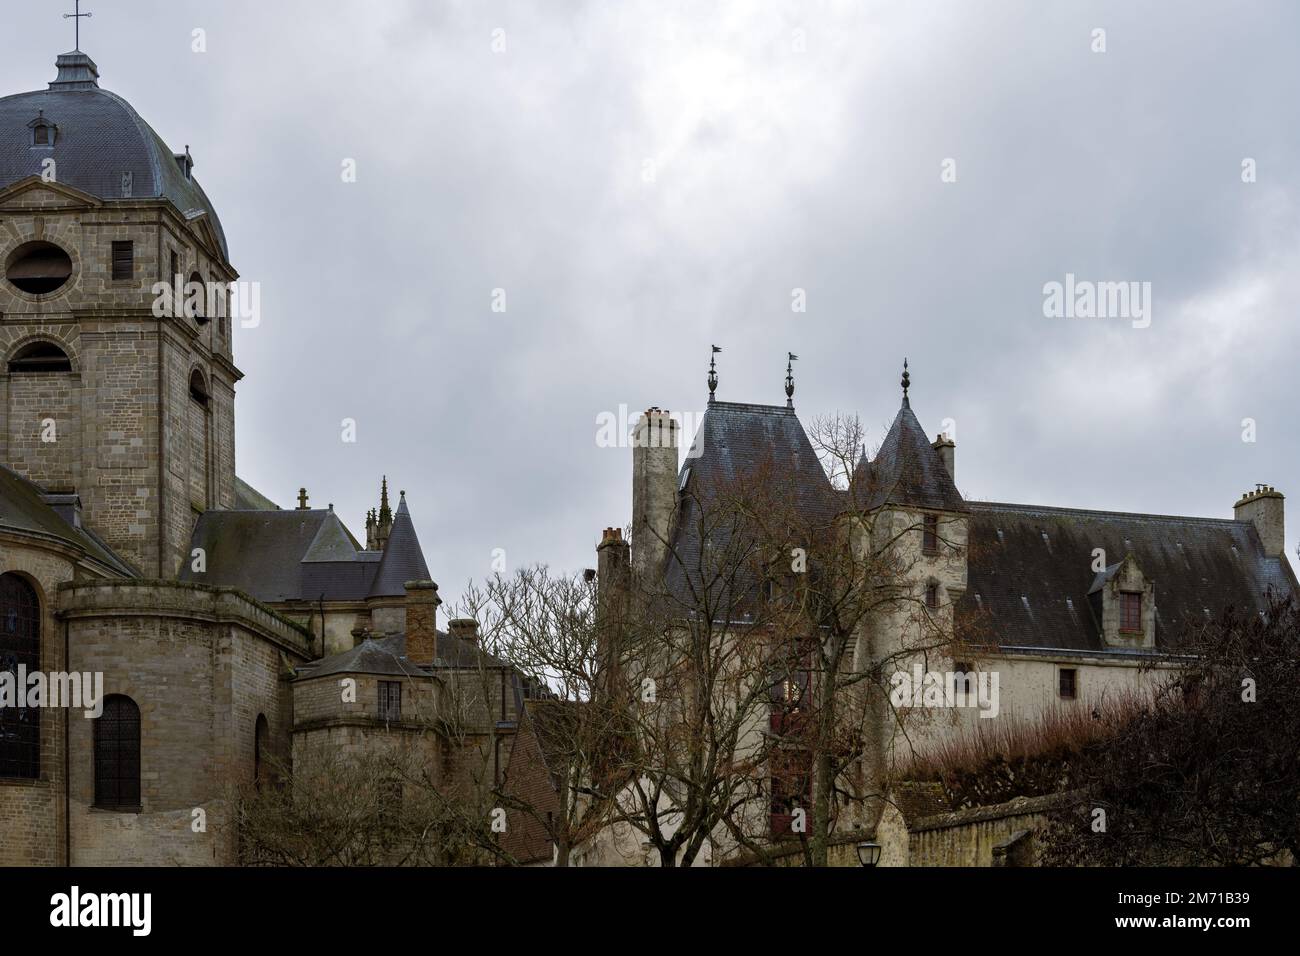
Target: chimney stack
(421,622)
(947,449)
(1263,507)
(465,628)
(654,490)
(613,596)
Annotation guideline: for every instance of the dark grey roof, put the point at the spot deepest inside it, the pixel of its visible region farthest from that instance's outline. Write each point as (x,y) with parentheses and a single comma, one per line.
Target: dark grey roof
(403,559)
(303,555)
(24,509)
(384,656)
(387,655)
(1030,572)
(739,443)
(907,470)
(248,498)
(100,137)
(263,552)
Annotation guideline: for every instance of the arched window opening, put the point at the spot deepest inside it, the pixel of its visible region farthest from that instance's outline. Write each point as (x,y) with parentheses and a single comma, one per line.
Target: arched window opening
(117,755)
(39,357)
(199,388)
(261,748)
(38,267)
(20,645)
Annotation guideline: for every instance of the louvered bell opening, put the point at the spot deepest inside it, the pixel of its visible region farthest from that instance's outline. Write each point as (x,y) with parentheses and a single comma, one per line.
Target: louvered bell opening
(38,267)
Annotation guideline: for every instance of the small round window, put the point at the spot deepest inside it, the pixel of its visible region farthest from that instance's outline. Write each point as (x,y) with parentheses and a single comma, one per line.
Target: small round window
(38,267)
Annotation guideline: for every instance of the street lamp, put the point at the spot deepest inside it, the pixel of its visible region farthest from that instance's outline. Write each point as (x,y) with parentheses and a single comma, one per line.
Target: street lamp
(868,853)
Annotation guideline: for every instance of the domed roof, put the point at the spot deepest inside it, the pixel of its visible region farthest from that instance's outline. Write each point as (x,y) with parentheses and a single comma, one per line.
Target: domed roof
(100,144)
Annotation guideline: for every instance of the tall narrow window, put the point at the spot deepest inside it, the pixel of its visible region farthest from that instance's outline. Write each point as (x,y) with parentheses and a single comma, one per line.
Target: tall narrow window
(932,596)
(390,700)
(261,747)
(1130,606)
(123,260)
(196,295)
(20,645)
(199,388)
(1069,686)
(930,534)
(117,755)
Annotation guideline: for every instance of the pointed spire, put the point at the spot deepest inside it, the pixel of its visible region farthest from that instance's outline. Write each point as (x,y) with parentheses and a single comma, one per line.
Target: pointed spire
(713,373)
(384,520)
(907,381)
(789,379)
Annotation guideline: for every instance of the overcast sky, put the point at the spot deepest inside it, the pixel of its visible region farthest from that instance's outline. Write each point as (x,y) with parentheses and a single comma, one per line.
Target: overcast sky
(645,179)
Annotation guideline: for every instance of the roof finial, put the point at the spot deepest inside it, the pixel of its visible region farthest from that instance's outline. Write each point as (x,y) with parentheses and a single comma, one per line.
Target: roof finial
(713,373)
(789,379)
(76,19)
(907,380)
(302,499)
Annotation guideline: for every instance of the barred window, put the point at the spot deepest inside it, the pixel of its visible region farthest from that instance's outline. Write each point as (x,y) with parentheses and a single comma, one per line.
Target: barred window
(117,755)
(1130,618)
(390,700)
(20,645)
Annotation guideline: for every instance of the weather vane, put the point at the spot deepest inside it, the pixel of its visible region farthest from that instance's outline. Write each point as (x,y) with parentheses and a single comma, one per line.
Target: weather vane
(76,19)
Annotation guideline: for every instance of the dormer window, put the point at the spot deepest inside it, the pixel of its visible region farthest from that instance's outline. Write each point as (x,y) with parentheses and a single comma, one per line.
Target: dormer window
(186,162)
(1123,600)
(44,132)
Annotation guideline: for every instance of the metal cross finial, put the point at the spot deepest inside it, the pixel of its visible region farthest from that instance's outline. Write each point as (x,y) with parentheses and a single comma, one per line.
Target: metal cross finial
(76,19)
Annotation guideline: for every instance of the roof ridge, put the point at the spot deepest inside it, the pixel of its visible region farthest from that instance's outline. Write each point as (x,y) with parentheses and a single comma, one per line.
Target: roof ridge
(783,409)
(1058,509)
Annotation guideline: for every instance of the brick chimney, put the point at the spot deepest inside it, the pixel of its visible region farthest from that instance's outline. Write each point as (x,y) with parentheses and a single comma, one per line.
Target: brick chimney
(654,489)
(465,628)
(947,449)
(1263,507)
(421,622)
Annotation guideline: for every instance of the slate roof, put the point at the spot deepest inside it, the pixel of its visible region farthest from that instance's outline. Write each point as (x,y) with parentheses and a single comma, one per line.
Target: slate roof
(387,656)
(738,442)
(23,509)
(403,559)
(281,555)
(100,137)
(1030,572)
(907,470)
(248,498)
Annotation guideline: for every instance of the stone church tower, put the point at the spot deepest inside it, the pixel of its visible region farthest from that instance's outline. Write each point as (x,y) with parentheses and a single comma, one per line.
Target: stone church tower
(115,394)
